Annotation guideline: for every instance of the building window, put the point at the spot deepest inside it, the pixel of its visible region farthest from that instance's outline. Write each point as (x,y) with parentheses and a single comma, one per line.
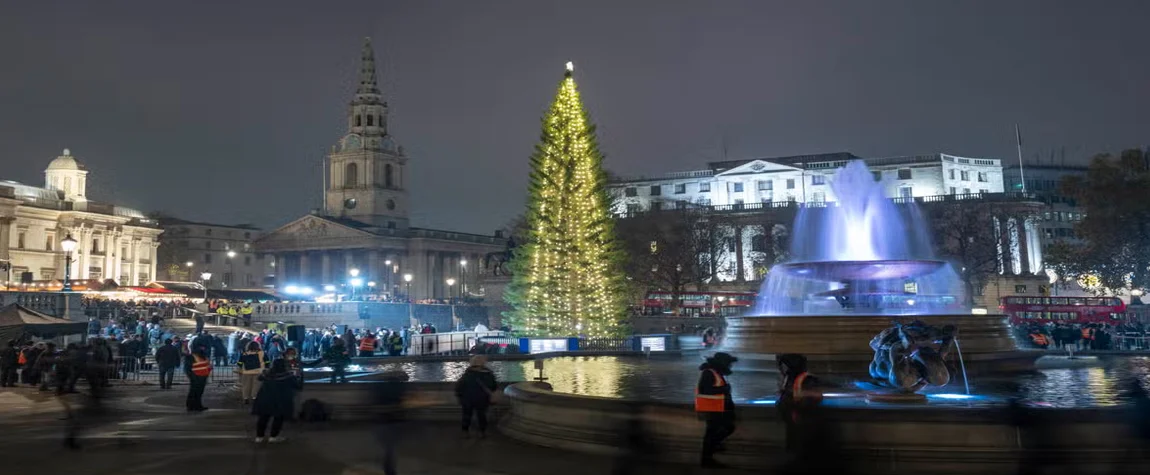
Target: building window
(247,260)
(738,203)
(953,190)
(207,258)
(904,174)
(984,191)
(228,275)
(906,192)
(982,177)
(818,179)
(656,190)
(630,191)
(50,243)
(820,197)
(656,205)
(729,243)
(207,244)
(766,200)
(208,232)
(736,187)
(966,191)
(20,238)
(370,120)
(95,245)
(951,173)
(387,175)
(680,188)
(681,204)
(790,183)
(350,174)
(759,243)
(965,175)
(634,208)
(766,185)
(1020,289)
(358,120)
(704,187)
(877,176)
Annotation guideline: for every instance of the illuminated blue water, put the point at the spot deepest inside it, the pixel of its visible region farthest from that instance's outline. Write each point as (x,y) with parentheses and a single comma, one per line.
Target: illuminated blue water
(674,380)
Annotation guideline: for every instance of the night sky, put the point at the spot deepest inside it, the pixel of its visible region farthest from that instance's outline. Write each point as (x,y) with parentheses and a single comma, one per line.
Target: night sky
(222,111)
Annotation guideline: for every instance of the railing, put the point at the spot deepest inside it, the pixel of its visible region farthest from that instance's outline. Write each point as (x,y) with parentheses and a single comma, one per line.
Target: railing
(454,343)
(1008,196)
(282,308)
(606,344)
(124,369)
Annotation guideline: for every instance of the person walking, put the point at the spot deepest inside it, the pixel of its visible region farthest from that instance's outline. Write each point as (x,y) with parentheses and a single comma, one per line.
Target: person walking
(474,389)
(167,359)
(198,373)
(337,357)
(250,366)
(199,323)
(713,401)
(9,360)
(367,346)
(275,400)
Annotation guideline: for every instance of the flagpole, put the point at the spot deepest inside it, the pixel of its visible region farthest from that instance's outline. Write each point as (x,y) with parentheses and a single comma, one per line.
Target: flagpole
(1018,140)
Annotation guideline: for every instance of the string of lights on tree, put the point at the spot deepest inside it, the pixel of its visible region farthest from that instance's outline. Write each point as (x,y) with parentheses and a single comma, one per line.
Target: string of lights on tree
(568,277)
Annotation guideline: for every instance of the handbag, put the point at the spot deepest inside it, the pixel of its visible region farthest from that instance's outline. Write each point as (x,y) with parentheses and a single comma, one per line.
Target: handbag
(495,397)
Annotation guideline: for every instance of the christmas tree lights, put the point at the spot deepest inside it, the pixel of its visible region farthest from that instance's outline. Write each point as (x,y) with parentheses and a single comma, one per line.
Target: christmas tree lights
(568,277)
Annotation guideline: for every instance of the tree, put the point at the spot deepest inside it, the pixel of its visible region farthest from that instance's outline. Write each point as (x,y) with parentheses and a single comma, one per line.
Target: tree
(971,233)
(568,275)
(671,250)
(1115,233)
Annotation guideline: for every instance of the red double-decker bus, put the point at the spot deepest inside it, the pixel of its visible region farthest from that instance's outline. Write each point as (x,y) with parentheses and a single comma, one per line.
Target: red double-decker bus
(695,303)
(1063,309)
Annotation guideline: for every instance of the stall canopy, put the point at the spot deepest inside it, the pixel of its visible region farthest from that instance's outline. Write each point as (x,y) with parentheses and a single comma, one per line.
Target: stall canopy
(195,291)
(17,321)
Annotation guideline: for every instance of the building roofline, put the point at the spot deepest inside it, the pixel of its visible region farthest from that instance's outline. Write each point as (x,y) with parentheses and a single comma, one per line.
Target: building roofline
(183,222)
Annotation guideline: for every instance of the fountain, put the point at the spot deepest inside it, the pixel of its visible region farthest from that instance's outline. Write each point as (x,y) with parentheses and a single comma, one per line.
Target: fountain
(857,269)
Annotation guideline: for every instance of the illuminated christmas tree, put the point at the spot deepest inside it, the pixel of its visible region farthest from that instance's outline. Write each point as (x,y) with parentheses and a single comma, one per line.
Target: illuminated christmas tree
(568,277)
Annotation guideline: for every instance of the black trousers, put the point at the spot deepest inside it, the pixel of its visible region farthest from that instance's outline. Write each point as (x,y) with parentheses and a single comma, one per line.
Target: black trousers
(166,376)
(719,427)
(196,392)
(480,413)
(7,376)
(338,371)
(262,425)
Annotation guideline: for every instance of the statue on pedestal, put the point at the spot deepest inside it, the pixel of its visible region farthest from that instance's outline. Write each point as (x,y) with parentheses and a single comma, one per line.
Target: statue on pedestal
(908,357)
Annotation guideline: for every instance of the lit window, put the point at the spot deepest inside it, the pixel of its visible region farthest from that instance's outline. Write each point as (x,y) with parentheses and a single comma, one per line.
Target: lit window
(704,187)
(680,188)
(904,174)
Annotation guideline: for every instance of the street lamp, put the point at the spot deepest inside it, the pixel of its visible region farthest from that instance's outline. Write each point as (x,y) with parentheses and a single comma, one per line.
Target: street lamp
(720,299)
(206,277)
(68,245)
(450,284)
(189,266)
(463,277)
(387,283)
(407,278)
(354,273)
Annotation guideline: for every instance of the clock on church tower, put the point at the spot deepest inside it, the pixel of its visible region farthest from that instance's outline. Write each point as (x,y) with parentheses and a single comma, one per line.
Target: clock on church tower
(366,170)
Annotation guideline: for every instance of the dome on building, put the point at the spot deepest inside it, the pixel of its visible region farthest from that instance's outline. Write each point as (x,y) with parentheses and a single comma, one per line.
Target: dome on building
(64,162)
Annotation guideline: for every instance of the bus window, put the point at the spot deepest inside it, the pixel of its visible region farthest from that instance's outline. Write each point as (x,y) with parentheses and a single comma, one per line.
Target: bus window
(1094,302)
(1076,301)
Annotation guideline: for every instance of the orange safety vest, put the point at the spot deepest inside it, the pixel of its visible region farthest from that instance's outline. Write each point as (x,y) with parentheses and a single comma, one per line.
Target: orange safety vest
(367,344)
(201,366)
(1087,333)
(711,402)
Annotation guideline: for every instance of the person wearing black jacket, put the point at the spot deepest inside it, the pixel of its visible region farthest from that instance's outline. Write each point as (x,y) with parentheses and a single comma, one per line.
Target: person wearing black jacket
(474,390)
(275,401)
(167,359)
(720,420)
(9,359)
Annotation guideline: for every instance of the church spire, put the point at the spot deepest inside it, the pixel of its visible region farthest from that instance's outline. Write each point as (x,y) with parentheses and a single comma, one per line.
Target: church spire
(367,80)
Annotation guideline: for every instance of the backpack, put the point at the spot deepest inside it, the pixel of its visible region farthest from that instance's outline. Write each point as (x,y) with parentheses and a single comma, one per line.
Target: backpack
(313,410)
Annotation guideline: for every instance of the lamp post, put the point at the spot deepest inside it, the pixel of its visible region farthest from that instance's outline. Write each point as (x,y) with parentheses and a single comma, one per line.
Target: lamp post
(451,302)
(720,299)
(407,278)
(463,277)
(354,273)
(206,277)
(231,269)
(450,284)
(410,304)
(68,245)
(189,266)
(387,283)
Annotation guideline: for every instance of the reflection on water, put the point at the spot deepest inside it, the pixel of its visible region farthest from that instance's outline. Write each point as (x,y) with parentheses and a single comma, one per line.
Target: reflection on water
(674,380)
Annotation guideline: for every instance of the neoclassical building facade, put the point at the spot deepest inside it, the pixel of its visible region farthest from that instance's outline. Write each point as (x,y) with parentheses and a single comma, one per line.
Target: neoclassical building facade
(113,242)
(364,223)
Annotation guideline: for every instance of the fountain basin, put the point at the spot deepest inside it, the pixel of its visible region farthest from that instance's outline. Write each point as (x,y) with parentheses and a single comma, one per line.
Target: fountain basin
(840,344)
(847,271)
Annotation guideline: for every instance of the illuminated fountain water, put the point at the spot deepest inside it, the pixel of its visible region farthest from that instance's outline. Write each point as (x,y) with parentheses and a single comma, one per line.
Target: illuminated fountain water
(864,254)
(857,267)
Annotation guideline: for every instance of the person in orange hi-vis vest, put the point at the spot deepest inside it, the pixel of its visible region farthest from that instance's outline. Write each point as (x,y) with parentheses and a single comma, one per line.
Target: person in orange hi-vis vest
(714,404)
(198,380)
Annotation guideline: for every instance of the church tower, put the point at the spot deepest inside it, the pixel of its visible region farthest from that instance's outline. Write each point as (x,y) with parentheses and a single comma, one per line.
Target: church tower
(367,171)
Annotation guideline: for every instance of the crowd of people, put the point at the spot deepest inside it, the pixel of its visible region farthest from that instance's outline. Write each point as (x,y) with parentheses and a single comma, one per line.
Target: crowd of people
(1083,336)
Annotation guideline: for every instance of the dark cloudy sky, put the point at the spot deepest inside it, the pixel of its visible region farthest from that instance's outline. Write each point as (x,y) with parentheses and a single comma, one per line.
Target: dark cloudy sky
(222,110)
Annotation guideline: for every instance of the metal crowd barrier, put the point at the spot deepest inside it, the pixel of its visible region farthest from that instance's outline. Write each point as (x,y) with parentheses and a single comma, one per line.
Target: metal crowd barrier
(134,370)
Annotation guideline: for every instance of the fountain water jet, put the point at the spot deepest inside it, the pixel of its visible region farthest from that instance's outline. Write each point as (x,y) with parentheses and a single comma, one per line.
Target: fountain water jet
(856,267)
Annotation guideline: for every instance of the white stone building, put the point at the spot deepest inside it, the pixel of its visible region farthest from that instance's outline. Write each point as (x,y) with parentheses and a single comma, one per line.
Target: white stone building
(114,242)
(188,249)
(364,223)
(805,179)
